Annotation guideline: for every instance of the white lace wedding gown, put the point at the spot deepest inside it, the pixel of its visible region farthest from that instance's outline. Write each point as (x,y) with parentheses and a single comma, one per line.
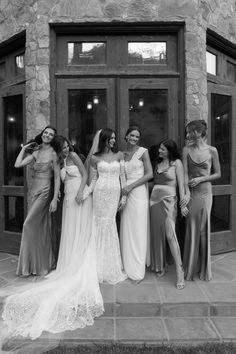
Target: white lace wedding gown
(70,298)
(106,197)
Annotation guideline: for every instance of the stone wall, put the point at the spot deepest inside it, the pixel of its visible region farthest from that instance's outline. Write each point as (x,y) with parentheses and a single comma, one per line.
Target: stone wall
(35,16)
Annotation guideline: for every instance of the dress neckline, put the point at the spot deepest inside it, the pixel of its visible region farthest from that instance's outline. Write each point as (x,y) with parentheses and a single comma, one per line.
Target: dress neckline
(133,155)
(166,169)
(198,163)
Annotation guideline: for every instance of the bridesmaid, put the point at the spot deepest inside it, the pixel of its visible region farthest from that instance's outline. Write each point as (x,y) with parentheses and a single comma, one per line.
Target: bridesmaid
(168,175)
(134,227)
(36,255)
(201,166)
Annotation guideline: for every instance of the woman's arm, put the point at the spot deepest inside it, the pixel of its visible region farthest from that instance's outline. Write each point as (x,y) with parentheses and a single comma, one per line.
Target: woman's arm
(94,176)
(184,201)
(180,181)
(76,160)
(148,174)
(56,170)
(20,160)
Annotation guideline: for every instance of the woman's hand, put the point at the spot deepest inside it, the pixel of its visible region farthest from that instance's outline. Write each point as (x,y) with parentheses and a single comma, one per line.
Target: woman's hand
(184,211)
(79,197)
(53,206)
(122,203)
(126,190)
(194,182)
(184,201)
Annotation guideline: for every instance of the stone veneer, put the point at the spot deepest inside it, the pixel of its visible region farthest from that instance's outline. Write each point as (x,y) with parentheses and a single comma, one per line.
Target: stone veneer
(34,17)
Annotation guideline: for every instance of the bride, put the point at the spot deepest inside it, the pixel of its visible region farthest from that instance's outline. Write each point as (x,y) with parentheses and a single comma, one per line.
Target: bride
(107,169)
(70,297)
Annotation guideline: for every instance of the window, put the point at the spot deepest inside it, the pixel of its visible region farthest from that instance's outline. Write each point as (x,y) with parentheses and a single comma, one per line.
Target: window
(211,63)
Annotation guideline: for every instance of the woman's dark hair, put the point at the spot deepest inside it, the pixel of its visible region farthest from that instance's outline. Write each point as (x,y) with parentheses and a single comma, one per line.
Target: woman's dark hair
(172,150)
(132,128)
(58,143)
(198,125)
(104,137)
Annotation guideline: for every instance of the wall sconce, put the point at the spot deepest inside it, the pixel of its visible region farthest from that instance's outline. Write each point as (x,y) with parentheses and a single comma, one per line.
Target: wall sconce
(11,119)
(141,102)
(218,118)
(95,100)
(89,105)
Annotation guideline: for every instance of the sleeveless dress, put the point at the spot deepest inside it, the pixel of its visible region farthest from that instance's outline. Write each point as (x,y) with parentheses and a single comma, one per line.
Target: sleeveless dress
(134,227)
(36,255)
(198,221)
(163,209)
(106,196)
(69,297)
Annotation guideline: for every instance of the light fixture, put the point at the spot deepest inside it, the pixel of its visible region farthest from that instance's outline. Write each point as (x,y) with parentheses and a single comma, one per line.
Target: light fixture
(218,118)
(95,100)
(141,102)
(11,119)
(89,105)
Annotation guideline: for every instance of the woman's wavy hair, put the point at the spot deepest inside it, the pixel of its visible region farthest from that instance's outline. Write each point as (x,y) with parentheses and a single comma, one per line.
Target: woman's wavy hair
(172,150)
(57,144)
(38,139)
(104,137)
(198,125)
(132,128)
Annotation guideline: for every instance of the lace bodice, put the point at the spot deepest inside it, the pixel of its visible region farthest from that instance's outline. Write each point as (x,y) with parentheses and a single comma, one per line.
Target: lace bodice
(107,189)
(134,168)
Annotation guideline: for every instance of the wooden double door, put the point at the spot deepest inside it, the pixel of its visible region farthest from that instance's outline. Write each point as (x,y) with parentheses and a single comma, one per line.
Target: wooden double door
(86,105)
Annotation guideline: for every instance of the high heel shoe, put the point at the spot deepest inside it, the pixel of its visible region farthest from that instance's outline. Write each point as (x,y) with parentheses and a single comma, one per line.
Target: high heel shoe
(180,284)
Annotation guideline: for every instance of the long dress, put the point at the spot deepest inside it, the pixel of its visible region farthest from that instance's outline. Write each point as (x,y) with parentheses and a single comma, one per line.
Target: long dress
(36,256)
(163,210)
(70,298)
(106,197)
(198,221)
(134,227)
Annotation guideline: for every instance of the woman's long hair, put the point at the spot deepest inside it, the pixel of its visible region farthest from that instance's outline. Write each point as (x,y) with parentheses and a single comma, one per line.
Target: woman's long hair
(171,146)
(105,136)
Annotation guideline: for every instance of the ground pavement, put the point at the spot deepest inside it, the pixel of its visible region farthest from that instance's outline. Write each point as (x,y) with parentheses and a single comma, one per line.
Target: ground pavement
(154,311)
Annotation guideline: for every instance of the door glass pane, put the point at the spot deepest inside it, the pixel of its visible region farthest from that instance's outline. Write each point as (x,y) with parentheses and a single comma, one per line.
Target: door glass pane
(20,64)
(2,71)
(211,63)
(87,114)
(147,53)
(220,213)
(231,71)
(86,53)
(13,138)
(149,110)
(14,213)
(221,114)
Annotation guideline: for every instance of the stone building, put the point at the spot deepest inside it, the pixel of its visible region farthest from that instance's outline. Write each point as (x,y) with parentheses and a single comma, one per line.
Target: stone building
(85,64)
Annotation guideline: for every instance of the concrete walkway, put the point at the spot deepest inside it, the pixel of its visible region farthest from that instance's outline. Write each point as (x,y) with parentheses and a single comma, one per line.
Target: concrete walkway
(154,311)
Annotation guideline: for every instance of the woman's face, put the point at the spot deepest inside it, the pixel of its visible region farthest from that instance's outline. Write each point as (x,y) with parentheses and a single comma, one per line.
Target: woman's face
(192,136)
(163,152)
(48,135)
(111,142)
(65,150)
(133,137)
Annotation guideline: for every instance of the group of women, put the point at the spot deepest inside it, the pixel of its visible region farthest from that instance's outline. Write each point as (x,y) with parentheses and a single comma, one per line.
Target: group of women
(90,249)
